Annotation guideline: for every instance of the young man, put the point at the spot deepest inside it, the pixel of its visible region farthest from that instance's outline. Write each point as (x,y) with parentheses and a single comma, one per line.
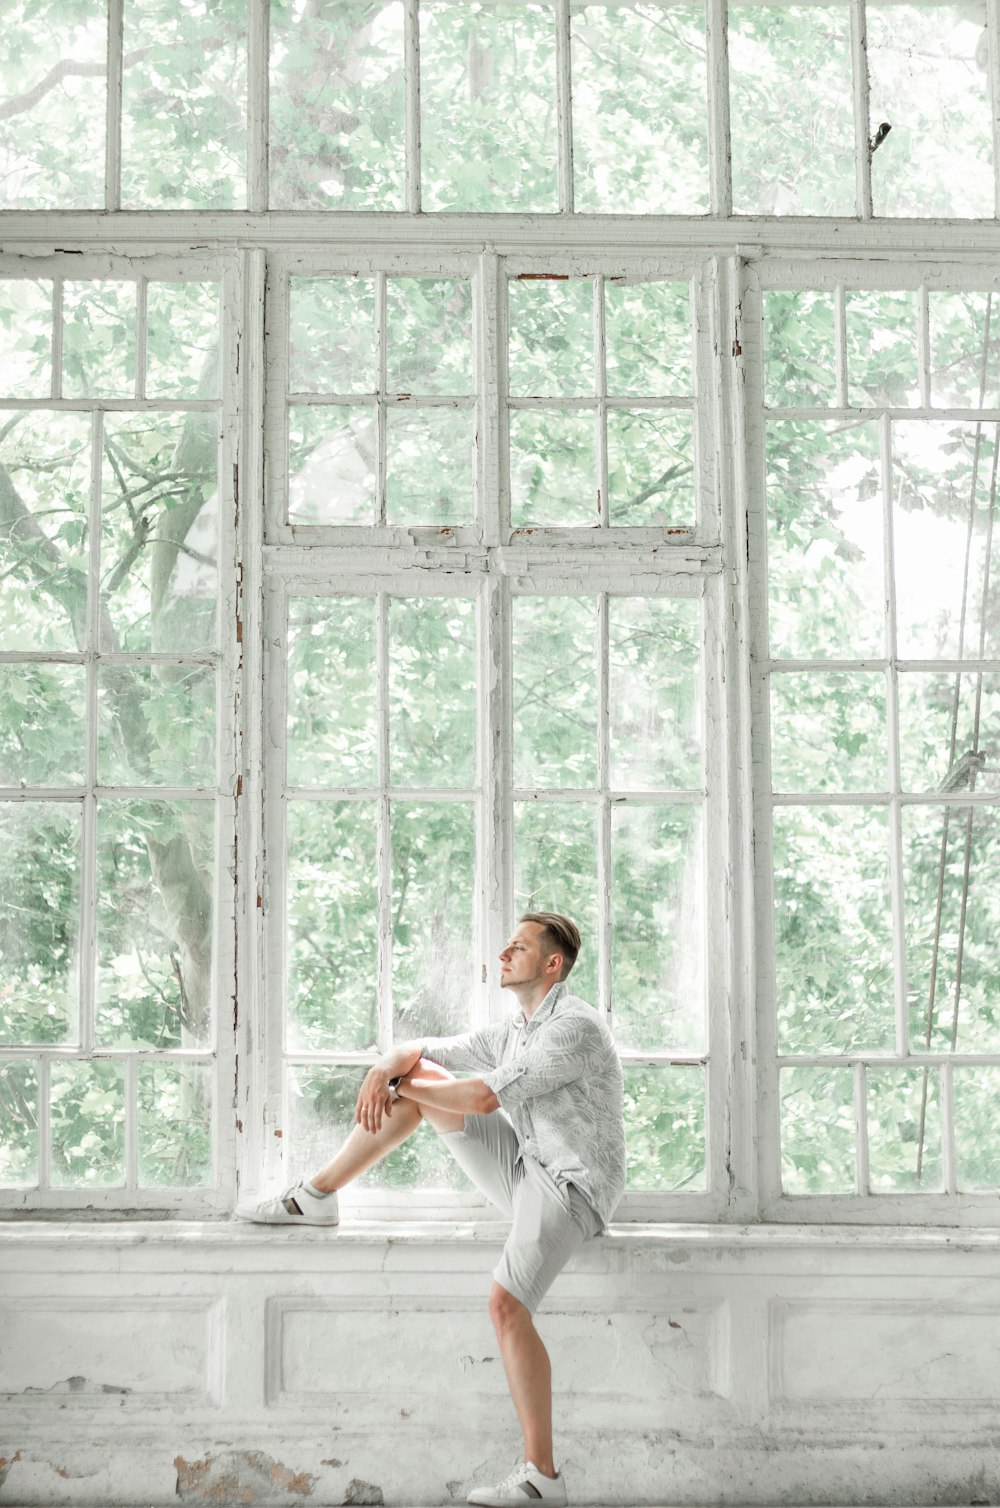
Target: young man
(538,1127)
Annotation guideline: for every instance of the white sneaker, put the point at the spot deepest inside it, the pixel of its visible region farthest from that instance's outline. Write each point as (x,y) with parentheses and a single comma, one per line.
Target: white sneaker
(296,1206)
(526,1484)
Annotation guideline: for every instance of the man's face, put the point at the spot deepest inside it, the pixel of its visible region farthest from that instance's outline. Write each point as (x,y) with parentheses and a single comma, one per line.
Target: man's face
(522,960)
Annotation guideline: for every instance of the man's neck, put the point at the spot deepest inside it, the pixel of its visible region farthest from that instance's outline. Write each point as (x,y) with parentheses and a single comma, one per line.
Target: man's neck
(531,996)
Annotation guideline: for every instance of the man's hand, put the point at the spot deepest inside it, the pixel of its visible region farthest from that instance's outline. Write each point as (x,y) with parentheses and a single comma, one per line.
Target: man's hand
(374,1100)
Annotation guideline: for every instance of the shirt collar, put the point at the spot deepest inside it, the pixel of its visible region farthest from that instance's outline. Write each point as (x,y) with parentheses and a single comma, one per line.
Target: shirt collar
(551,1000)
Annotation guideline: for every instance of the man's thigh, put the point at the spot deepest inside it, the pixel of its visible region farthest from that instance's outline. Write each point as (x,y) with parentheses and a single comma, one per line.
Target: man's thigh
(486,1150)
(546,1232)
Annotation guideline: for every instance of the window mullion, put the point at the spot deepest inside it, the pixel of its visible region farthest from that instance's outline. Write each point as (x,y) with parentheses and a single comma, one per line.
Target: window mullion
(113,137)
(892,709)
(88,886)
(384,851)
(604,806)
(258,105)
(601,372)
(411,49)
(862,109)
(381,416)
(496,824)
(487,362)
(564,105)
(720,170)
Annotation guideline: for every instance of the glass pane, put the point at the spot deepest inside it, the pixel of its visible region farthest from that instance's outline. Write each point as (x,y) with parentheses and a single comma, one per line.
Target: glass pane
(977,1113)
(949,731)
(881,349)
(553,469)
(88,1124)
(19,1118)
(183,328)
(156,725)
(647,332)
(184,104)
(946,546)
(332,458)
(551,351)
(965,349)
(331,691)
(828,732)
(651,467)
(159,541)
(42,719)
(555,692)
(817,1131)
(319,1117)
(655,693)
(25,336)
(429,466)
(433,892)
(665,1128)
(904,1131)
(155,887)
(331,335)
(39,922)
(792,111)
(640,141)
(800,361)
(99,339)
(488,105)
(929,72)
(332,941)
(429,336)
(951,927)
(52,130)
(432,691)
(43,531)
(555,869)
(658,927)
(833,930)
(336,105)
(175,1125)
(825,564)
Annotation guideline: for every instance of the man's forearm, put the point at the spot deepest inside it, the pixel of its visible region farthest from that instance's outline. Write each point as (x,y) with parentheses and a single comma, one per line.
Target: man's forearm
(400,1060)
(461,1096)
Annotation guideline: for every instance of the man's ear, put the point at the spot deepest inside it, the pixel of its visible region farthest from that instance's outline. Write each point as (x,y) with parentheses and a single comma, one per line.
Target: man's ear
(554,958)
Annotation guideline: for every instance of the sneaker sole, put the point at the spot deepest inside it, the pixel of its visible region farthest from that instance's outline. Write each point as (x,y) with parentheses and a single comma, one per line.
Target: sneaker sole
(284,1220)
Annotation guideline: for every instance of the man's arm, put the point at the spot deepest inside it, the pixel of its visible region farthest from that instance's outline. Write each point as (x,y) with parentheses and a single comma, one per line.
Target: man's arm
(461,1097)
(374,1098)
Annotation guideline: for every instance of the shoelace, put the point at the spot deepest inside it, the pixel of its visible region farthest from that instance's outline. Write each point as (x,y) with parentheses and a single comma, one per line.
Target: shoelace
(516,1477)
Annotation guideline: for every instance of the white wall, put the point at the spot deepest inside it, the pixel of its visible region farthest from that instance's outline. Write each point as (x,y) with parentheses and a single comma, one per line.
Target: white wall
(763,1364)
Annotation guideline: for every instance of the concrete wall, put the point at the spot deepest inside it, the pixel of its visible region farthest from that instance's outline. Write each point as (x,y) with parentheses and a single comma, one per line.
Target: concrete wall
(145,1363)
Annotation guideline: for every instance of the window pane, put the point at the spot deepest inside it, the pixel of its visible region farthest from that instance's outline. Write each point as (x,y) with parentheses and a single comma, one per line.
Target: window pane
(432,691)
(555,692)
(336,105)
(640,142)
(156,725)
(159,541)
(833,930)
(52,134)
(929,66)
(175,1125)
(964,349)
(332,942)
(19,1117)
(977,1111)
(555,869)
(487,94)
(828,732)
(904,1130)
(651,467)
(39,922)
(946,546)
(658,927)
(551,352)
(553,469)
(665,1128)
(42,722)
(817,1131)
(183,326)
(647,332)
(952,926)
(793,142)
(825,562)
(154,923)
(331,691)
(43,530)
(939,746)
(429,466)
(800,361)
(320,1114)
(99,339)
(881,332)
(433,888)
(25,337)
(184,126)
(88,1124)
(332,458)
(429,336)
(331,335)
(655,710)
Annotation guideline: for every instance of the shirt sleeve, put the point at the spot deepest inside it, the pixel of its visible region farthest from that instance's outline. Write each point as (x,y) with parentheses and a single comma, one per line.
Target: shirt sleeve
(560,1055)
(472,1052)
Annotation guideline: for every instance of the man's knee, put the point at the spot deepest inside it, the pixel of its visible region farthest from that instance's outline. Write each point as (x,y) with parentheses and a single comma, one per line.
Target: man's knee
(505,1310)
(425,1069)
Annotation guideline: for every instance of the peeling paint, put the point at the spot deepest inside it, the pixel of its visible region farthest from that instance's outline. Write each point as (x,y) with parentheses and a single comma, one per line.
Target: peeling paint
(241,1476)
(80,1385)
(359,1491)
(6,1462)
(331,1461)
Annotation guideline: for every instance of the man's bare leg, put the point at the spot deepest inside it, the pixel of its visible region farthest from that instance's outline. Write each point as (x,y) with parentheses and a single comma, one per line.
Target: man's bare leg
(529,1375)
(363,1149)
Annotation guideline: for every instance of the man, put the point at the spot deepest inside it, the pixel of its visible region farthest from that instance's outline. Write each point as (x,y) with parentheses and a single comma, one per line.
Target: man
(538,1127)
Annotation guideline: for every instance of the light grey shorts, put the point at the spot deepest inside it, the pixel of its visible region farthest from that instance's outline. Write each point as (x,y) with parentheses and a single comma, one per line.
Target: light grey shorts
(550,1222)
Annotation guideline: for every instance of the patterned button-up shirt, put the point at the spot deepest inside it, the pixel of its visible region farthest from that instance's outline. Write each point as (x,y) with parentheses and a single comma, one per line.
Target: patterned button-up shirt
(559,1079)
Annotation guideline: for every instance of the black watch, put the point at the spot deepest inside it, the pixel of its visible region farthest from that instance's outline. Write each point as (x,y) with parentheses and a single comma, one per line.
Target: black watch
(394,1087)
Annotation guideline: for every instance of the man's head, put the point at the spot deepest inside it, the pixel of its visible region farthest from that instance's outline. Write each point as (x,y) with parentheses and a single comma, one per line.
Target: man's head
(542,950)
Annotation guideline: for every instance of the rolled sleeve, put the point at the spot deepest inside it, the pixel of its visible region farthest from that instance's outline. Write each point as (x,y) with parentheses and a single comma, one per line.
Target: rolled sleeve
(472,1052)
(561,1058)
